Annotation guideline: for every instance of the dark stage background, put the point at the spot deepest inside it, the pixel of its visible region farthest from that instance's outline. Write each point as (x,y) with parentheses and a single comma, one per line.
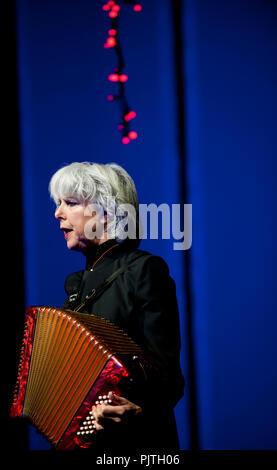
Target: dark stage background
(202,80)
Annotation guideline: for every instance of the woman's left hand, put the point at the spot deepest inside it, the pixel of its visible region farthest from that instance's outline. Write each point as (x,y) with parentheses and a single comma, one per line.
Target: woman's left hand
(119,411)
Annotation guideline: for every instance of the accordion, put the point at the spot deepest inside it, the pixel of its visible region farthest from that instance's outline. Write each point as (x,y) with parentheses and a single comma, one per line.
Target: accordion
(69,361)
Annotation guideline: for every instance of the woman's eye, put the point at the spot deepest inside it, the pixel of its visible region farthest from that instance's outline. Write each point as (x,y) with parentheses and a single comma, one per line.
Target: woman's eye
(68,202)
(71,203)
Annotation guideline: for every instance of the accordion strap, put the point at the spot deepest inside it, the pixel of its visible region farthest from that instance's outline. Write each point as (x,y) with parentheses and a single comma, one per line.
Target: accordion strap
(98,290)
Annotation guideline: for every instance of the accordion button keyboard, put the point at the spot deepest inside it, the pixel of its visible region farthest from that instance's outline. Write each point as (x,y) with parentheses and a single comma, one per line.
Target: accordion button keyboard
(88,426)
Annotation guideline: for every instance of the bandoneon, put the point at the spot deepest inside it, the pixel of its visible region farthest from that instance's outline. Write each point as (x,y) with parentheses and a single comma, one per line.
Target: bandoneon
(69,361)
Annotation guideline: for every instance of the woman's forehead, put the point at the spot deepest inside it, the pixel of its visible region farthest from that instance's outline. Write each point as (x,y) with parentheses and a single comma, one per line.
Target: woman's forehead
(68,194)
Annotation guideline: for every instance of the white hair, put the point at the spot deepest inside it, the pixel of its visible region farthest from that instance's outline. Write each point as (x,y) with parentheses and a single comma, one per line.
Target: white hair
(96,183)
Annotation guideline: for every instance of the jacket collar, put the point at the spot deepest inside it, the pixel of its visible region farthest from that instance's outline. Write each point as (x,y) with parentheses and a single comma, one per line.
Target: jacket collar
(99,251)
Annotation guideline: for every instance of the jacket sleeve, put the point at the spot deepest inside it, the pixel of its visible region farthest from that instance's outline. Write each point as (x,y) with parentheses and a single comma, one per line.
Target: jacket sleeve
(72,288)
(158,318)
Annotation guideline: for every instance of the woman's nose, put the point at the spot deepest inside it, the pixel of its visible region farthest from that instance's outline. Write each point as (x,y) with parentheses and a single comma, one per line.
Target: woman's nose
(59,213)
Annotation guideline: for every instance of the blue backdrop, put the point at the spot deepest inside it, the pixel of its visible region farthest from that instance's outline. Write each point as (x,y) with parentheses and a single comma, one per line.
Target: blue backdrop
(227,78)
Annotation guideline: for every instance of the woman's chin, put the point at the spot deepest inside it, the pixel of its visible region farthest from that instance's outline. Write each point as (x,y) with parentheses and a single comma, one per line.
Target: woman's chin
(72,246)
(76,247)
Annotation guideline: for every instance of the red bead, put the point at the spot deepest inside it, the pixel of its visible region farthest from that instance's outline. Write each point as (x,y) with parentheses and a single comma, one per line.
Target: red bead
(123,77)
(137,7)
(113,77)
(111,42)
(130,115)
(133,135)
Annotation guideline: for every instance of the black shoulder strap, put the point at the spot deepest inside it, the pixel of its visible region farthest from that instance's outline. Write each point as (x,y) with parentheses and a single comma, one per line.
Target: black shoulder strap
(96,292)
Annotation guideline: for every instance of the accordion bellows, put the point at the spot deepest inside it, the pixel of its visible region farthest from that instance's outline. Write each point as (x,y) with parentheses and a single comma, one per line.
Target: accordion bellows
(68,361)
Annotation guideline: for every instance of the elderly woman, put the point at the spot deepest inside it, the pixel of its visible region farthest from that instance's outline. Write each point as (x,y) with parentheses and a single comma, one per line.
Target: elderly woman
(91,202)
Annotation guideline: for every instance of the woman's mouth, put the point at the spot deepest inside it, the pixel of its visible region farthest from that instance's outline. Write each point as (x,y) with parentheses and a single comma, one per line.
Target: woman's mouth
(67,232)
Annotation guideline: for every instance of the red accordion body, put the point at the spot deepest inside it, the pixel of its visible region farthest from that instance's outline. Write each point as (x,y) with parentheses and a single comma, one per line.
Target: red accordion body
(69,361)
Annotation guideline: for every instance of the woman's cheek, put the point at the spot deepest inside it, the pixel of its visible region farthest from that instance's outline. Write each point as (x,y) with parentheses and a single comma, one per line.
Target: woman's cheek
(93,229)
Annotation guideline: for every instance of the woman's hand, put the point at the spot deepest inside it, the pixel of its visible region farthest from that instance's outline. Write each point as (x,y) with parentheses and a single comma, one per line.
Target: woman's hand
(120,411)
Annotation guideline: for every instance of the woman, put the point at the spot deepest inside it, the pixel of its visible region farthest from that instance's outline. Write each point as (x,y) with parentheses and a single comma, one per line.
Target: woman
(92,200)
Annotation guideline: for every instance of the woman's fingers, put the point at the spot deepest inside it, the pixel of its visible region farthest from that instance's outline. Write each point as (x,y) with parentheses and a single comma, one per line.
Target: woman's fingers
(121,409)
(117,400)
(104,415)
(127,406)
(107,411)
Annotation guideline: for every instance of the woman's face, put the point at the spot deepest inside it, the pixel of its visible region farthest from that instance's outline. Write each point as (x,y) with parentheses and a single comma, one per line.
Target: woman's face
(82,226)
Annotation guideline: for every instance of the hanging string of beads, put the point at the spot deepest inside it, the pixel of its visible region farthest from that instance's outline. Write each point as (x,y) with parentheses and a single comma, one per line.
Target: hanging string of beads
(112,8)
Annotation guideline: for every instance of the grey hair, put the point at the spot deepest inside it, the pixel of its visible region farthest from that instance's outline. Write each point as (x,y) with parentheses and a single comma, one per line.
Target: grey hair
(96,183)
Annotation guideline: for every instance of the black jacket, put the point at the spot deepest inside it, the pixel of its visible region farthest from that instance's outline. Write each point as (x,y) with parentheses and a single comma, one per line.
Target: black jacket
(142,302)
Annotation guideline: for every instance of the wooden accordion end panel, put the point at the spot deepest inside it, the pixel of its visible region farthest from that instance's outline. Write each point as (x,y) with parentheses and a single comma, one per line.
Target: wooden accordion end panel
(69,361)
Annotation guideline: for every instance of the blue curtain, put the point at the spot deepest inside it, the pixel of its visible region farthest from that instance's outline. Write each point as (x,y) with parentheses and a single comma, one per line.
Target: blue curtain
(201,83)
(230,67)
